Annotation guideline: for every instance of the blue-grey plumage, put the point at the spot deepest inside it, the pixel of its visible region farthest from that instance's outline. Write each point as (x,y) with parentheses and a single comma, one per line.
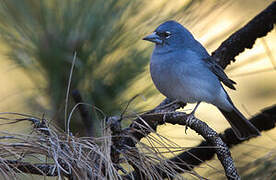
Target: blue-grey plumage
(182,69)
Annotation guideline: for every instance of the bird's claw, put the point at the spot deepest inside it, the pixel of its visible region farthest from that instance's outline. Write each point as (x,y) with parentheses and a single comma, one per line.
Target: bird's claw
(164,118)
(189,121)
(186,128)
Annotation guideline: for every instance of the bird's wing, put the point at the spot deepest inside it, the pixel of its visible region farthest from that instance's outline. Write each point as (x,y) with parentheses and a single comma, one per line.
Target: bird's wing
(219,72)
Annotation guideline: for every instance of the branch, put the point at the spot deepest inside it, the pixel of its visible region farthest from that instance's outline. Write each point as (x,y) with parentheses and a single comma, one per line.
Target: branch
(231,47)
(186,161)
(257,27)
(200,127)
(244,38)
(264,121)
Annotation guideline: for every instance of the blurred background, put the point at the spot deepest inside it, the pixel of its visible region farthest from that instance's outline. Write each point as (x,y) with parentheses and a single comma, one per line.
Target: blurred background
(38,40)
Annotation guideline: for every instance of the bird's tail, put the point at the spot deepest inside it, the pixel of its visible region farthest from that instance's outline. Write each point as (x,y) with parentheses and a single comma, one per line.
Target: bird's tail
(242,128)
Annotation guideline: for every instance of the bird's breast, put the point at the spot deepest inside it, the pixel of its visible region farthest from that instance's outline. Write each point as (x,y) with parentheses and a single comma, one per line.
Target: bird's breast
(187,80)
(164,77)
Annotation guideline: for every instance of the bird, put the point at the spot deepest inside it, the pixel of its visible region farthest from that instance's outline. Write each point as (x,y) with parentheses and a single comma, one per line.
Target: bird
(182,69)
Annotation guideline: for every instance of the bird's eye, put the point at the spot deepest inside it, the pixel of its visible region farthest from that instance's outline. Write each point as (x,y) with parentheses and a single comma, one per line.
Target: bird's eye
(165,34)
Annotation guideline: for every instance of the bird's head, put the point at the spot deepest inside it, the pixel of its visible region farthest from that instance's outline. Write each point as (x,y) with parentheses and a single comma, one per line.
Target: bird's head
(170,34)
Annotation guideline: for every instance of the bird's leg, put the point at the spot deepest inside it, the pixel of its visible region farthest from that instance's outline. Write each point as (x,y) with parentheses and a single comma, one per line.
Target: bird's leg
(190,117)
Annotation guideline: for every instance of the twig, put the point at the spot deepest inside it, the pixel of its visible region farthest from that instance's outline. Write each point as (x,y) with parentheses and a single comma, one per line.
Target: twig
(67,121)
(38,169)
(84,113)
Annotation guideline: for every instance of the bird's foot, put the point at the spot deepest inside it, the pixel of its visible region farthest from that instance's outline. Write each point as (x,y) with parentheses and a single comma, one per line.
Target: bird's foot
(164,118)
(189,121)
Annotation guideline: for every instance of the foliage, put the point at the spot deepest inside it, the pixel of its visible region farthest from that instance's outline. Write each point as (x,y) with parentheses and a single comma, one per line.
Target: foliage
(43,35)
(48,151)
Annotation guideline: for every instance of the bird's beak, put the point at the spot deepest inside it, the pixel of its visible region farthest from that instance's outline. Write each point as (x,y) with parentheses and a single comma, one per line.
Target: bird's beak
(153,38)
